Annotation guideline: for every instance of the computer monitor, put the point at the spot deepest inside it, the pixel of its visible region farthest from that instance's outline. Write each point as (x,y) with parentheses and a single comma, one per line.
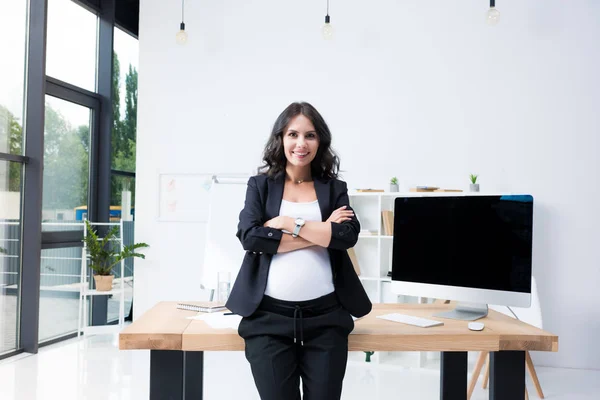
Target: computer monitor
(474,249)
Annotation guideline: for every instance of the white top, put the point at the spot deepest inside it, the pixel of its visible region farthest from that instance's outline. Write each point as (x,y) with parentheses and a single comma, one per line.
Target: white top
(303,274)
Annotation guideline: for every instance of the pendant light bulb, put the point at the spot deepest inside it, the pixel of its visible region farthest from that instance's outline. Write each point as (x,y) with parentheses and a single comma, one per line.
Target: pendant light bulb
(181,37)
(492,15)
(327,29)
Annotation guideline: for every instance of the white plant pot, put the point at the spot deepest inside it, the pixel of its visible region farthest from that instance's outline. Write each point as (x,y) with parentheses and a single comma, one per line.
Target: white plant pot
(393,188)
(474,187)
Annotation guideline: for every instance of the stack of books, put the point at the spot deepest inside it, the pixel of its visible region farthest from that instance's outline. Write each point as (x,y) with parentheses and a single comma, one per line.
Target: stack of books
(369,190)
(387,218)
(424,189)
(432,189)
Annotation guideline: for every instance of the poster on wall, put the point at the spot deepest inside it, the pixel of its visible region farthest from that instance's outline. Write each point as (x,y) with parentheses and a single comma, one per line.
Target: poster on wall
(184,197)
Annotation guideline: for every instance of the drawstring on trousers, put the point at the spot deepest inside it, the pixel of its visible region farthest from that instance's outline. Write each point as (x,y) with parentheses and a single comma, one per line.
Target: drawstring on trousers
(298,310)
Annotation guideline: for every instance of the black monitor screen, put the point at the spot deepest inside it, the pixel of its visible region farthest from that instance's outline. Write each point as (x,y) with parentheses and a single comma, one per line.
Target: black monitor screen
(470,241)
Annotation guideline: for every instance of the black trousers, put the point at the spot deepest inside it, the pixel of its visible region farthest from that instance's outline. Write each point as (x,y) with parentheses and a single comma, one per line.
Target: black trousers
(288,340)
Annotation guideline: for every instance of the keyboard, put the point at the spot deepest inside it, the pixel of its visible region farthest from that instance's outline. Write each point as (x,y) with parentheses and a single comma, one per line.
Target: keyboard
(410,320)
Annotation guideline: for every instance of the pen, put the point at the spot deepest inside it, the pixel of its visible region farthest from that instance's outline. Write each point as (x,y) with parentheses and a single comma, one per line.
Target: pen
(229,313)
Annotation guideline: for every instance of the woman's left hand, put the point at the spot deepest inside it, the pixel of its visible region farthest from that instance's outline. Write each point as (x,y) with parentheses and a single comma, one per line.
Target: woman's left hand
(276,223)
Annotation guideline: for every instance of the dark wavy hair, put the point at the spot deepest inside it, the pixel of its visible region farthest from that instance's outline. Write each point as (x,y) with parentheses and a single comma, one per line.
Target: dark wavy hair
(326,163)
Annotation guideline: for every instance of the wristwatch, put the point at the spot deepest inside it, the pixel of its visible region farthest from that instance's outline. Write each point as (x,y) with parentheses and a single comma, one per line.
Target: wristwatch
(299,224)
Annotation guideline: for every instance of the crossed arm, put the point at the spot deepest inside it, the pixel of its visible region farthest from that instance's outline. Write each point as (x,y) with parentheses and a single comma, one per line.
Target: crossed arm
(313,233)
(339,232)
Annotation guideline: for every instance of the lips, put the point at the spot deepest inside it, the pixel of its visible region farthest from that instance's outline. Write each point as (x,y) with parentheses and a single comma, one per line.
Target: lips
(300,155)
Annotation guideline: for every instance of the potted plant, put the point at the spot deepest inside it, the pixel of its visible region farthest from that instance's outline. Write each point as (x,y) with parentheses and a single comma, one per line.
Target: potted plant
(2,250)
(103,257)
(474,186)
(394,184)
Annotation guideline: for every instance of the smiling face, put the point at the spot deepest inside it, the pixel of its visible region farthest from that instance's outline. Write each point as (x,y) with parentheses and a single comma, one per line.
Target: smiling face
(300,142)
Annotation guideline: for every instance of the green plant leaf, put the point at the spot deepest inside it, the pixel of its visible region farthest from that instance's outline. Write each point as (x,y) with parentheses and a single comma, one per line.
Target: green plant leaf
(137,246)
(105,254)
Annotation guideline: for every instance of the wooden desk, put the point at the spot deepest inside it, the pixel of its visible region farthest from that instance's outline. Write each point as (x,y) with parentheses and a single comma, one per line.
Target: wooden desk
(177,347)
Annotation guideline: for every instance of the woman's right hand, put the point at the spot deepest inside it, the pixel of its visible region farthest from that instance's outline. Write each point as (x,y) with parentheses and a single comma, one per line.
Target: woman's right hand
(340,215)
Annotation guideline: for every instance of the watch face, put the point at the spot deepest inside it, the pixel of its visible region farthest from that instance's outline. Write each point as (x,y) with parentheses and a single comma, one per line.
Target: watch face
(299,221)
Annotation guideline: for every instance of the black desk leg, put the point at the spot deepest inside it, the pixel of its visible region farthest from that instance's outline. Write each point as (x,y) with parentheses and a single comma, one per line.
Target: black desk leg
(453,375)
(176,375)
(507,375)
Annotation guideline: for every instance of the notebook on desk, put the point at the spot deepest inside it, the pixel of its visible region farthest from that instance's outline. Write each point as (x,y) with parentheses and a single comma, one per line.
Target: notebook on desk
(202,306)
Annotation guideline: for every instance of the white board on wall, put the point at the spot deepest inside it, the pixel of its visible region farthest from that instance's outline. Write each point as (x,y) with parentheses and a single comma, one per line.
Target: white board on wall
(223,251)
(184,197)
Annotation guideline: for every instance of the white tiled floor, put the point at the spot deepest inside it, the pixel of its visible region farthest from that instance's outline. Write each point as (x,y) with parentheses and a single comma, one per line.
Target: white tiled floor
(58,316)
(94,368)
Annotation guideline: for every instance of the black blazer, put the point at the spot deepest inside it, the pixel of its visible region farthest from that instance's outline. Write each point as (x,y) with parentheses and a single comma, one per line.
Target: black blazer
(263,201)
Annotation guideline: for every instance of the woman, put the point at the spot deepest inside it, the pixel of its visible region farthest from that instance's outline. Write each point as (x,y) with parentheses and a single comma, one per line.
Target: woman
(297,290)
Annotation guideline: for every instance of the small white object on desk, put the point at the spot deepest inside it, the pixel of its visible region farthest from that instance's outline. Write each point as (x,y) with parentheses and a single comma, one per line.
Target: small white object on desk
(411,320)
(203,306)
(476,326)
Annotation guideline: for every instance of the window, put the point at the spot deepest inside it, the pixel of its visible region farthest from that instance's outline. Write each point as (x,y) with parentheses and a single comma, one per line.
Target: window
(13,25)
(124,134)
(13,34)
(66,159)
(59,292)
(62,165)
(125,78)
(10,250)
(71,44)
(67,135)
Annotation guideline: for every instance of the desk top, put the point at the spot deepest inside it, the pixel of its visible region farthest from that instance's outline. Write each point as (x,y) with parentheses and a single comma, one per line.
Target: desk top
(164,327)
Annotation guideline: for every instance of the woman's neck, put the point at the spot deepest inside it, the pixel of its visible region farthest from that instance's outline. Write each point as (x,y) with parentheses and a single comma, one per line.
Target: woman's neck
(298,175)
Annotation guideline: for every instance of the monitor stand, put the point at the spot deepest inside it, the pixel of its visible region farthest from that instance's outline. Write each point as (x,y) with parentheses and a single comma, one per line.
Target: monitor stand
(466,312)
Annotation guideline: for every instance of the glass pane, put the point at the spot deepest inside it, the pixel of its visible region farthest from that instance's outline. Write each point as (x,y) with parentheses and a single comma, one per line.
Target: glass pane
(66,163)
(13,34)
(123,198)
(10,250)
(125,75)
(59,292)
(64,204)
(71,44)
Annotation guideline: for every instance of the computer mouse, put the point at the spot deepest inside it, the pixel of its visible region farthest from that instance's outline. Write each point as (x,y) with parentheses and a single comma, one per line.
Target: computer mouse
(476,326)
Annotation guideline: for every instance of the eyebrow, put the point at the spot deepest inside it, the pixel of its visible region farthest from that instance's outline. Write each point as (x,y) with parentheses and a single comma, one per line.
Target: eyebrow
(295,131)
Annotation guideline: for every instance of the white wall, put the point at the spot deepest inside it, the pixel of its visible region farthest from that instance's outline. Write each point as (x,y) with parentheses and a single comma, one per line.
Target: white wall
(422,90)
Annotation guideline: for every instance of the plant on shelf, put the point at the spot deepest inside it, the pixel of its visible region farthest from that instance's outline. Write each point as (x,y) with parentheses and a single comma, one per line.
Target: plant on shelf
(3,251)
(394,184)
(474,186)
(103,257)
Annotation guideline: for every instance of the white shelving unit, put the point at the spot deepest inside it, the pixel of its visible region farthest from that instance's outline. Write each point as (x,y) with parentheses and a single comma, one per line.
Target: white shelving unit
(374,254)
(86,293)
(374,251)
